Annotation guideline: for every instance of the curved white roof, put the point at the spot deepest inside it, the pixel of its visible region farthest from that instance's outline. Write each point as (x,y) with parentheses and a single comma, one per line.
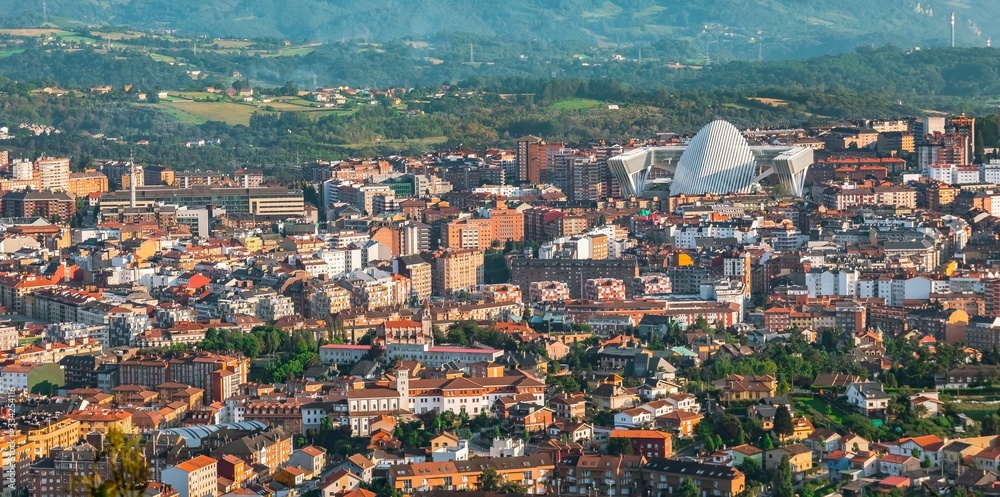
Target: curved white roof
(718,160)
(193,435)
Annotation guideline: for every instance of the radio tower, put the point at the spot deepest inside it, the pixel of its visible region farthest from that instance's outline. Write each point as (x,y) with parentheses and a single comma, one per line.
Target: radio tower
(131,182)
(952,30)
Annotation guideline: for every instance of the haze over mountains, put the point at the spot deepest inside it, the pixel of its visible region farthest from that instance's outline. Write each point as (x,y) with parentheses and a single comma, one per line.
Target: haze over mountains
(743,29)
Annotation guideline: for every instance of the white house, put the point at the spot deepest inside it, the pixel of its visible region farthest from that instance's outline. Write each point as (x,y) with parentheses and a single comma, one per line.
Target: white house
(684,402)
(929,401)
(452,453)
(867,397)
(632,418)
(658,407)
(925,446)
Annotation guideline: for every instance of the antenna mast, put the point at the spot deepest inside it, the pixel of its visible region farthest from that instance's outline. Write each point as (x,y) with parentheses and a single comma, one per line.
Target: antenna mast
(952,30)
(131,182)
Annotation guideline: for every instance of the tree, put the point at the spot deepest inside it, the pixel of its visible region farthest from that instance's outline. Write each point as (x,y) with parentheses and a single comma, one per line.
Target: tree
(128,470)
(689,488)
(991,424)
(767,443)
(620,447)
(513,488)
(289,89)
(783,425)
(783,479)
(489,480)
(751,468)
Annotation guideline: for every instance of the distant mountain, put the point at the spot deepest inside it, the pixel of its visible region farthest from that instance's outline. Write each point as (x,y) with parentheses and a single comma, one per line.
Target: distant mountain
(721,29)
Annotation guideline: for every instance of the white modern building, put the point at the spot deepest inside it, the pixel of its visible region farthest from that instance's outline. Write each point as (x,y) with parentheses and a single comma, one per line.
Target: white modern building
(717,160)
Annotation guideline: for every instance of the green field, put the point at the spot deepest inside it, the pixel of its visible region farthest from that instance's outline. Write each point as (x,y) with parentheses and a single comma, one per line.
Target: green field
(820,406)
(191,112)
(608,9)
(576,104)
(161,58)
(289,51)
(977,411)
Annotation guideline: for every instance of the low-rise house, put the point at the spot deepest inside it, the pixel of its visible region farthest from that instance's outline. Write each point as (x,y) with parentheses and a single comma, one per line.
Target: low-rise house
(822,442)
(338,483)
(763,413)
(954,453)
(740,453)
(927,446)
(988,459)
(682,423)
(529,418)
(311,459)
(891,483)
(572,407)
(837,463)
(866,464)
(573,431)
(867,397)
(633,418)
(658,407)
(684,402)
(799,457)
(926,404)
(853,443)
(657,389)
(975,479)
(801,429)
(896,465)
(614,397)
(746,387)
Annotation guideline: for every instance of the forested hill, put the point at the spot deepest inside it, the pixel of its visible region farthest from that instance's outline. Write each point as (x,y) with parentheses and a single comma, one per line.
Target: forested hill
(722,29)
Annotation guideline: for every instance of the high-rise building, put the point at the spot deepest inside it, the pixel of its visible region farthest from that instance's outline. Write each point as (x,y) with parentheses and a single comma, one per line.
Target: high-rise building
(534,157)
(456,270)
(419,272)
(536,221)
(54,173)
(928,126)
(992,297)
(467,234)
(526,146)
(508,224)
(415,237)
(965,127)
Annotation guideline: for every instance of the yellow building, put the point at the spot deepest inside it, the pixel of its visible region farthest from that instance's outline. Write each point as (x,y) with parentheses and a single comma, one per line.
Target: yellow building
(251,243)
(103,421)
(60,434)
(87,182)
(531,471)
